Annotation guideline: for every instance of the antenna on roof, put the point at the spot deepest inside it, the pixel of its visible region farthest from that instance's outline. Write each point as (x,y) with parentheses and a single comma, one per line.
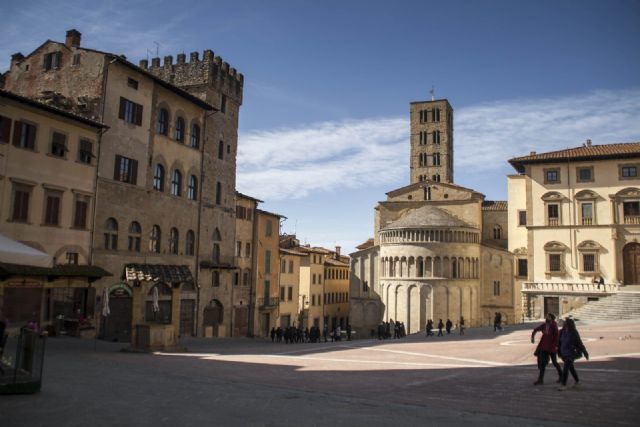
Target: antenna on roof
(157,49)
(295,227)
(148,53)
(433,93)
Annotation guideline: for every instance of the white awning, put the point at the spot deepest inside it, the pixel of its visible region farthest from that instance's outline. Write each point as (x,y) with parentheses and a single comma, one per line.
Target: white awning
(14,252)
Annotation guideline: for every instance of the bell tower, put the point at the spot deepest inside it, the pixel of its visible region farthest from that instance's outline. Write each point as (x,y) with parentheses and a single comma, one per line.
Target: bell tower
(431,141)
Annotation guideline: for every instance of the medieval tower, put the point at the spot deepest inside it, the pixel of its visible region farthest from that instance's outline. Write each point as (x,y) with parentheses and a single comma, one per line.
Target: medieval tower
(431,141)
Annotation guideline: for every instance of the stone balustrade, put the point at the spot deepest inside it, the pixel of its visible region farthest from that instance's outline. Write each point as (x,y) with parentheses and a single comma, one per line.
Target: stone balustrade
(569,288)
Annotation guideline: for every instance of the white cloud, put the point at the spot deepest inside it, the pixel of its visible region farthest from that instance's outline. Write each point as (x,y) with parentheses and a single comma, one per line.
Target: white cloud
(295,162)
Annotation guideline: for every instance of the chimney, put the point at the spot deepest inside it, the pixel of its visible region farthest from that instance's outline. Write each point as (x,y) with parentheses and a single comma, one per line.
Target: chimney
(338,252)
(532,153)
(73,38)
(16,58)
(588,143)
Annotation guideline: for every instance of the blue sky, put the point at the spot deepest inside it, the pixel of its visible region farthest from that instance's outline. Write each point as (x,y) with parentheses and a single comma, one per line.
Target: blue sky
(328,85)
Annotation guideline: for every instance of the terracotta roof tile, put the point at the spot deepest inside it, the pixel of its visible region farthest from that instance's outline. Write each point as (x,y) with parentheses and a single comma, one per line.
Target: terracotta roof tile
(585,152)
(494,205)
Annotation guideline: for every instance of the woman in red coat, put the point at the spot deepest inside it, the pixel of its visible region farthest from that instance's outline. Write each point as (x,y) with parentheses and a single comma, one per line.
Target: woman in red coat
(547,348)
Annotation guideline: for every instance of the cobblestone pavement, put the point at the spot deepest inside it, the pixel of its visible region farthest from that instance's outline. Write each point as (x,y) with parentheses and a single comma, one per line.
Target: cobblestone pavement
(481,378)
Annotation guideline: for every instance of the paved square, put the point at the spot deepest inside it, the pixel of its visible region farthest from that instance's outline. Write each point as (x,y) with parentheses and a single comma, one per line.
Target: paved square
(479,379)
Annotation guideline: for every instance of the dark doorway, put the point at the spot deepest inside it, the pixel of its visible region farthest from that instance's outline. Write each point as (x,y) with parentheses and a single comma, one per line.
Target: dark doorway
(551,305)
(118,323)
(213,317)
(240,321)
(631,264)
(187,310)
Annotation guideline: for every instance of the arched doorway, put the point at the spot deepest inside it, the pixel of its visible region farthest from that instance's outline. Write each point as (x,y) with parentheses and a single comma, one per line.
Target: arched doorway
(631,263)
(213,318)
(117,325)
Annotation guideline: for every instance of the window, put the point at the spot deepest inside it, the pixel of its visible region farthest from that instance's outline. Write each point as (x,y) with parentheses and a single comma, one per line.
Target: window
(218,193)
(631,211)
(5,129)
(52,61)
(228,149)
(72,258)
(158,178)
(192,188)
(247,250)
(238,249)
(215,254)
(589,251)
(58,144)
(81,207)
(176,183)
(552,176)
(435,115)
(267,261)
(586,213)
(179,129)
(282,290)
(436,137)
(85,151)
(269,228)
(553,214)
(245,278)
(290,266)
(436,159)
(624,171)
(522,268)
(555,252)
(313,300)
(365,286)
(522,218)
(496,288)
(221,150)
(125,170)
(195,136)
(21,195)
(497,232)
(24,135)
(135,232)
(290,293)
(223,104)
(555,264)
(190,243)
(154,239)
(163,122)
(52,207)
(76,59)
(584,174)
(133,84)
(589,263)
(173,241)
(215,279)
(130,112)
(111,235)
(283,266)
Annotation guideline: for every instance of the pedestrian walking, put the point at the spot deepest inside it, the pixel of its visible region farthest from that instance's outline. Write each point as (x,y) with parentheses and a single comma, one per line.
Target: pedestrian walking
(440,326)
(273,334)
(570,349)
(429,327)
(461,325)
(448,326)
(547,347)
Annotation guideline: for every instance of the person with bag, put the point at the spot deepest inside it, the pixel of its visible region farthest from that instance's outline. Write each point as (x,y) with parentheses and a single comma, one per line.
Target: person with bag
(547,347)
(570,349)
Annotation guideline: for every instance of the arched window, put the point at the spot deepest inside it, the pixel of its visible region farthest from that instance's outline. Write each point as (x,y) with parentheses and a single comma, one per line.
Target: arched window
(111,235)
(192,189)
(163,122)
(195,136)
(158,178)
(190,243)
(497,232)
(134,236)
(180,129)
(154,239)
(173,241)
(176,183)
(217,237)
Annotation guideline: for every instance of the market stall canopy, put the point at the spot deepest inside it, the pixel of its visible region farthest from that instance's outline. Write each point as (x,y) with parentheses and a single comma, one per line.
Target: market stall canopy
(14,252)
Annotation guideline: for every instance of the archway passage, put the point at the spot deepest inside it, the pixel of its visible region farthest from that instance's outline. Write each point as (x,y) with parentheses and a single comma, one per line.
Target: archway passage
(117,325)
(213,318)
(631,264)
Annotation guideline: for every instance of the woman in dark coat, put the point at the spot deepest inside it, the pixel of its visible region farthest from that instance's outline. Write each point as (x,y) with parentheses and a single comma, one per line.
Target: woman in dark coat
(570,348)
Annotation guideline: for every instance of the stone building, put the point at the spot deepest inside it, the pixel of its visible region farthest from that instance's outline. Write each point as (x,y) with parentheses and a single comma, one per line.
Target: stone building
(292,300)
(574,216)
(439,250)
(166,173)
(48,191)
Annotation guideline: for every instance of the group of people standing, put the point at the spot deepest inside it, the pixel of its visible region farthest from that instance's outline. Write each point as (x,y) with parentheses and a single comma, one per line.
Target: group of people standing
(293,335)
(565,342)
(448,325)
(390,329)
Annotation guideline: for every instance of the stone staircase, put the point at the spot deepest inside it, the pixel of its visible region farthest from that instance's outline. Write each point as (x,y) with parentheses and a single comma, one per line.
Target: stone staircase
(624,305)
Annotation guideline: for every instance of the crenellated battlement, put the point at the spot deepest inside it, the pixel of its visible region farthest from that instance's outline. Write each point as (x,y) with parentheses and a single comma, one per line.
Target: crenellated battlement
(211,71)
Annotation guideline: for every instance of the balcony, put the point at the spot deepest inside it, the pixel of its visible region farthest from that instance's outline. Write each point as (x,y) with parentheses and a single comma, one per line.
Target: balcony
(587,221)
(632,219)
(554,221)
(559,288)
(268,303)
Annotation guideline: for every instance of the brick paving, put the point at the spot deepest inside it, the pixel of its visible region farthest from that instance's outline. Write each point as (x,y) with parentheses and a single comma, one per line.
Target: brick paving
(479,379)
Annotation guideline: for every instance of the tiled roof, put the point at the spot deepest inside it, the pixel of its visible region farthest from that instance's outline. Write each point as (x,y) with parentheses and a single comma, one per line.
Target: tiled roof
(270,213)
(427,216)
(292,252)
(366,244)
(62,270)
(244,196)
(585,152)
(494,205)
(335,263)
(170,274)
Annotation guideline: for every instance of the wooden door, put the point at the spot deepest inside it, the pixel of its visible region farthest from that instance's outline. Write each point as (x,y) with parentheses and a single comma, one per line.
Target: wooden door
(631,264)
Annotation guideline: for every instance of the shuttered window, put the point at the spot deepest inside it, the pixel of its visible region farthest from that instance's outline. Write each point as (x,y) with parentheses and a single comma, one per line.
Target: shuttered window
(52,208)
(130,111)
(21,204)
(125,170)
(5,129)
(24,135)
